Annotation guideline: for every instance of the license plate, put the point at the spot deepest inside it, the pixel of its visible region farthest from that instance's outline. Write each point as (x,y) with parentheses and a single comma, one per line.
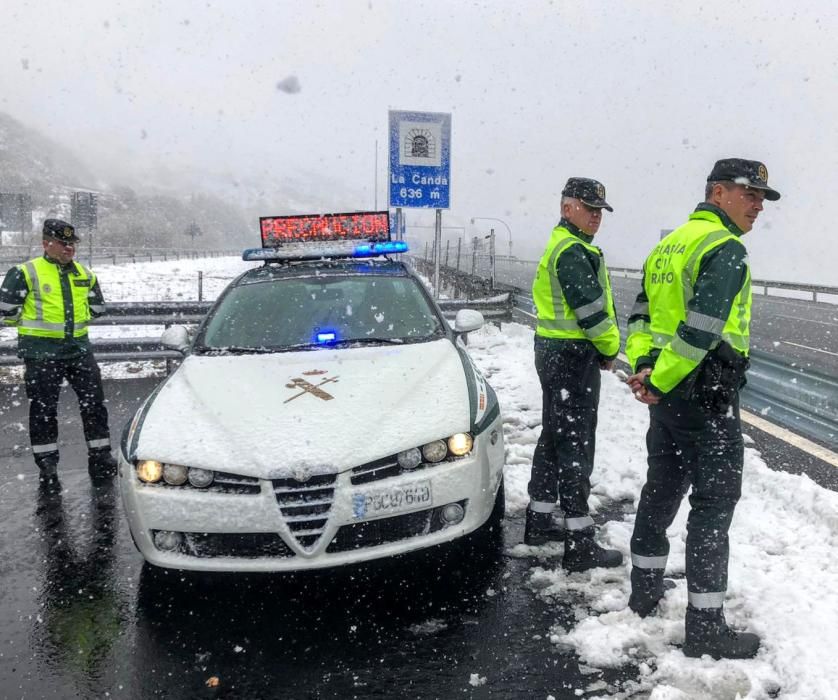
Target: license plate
(396,499)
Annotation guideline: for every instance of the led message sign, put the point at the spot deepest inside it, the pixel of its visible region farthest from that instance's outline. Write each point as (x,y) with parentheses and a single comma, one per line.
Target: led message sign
(305,228)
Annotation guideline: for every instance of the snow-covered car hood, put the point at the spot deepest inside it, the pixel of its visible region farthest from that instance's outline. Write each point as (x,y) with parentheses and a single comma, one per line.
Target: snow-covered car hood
(290,414)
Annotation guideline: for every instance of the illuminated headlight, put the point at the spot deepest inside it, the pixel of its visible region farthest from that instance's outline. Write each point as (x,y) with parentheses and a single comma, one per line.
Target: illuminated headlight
(460,444)
(410,459)
(435,451)
(174,474)
(200,478)
(149,470)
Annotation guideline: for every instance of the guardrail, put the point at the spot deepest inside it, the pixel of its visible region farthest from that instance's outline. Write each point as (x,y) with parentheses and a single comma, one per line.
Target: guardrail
(116,256)
(166,313)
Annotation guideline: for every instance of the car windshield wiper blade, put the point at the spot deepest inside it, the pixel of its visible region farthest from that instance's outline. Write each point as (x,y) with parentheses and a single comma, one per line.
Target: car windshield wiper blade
(360,341)
(236,350)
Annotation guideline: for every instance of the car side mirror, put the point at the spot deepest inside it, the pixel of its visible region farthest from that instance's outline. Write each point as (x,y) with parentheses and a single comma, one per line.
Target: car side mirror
(175,338)
(468,320)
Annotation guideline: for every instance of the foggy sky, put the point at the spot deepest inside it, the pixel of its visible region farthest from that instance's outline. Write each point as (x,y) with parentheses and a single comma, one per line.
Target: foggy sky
(643,96)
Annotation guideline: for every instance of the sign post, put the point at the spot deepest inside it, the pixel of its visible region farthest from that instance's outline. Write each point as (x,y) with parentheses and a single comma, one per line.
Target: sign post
(420,167)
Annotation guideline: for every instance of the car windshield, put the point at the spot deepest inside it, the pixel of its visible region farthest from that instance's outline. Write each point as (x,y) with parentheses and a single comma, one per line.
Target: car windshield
(308,312)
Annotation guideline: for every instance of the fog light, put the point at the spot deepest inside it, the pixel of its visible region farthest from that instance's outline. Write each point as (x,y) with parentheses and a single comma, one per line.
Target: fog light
(435,451)
(200,478)
(149,470)
(410,459)
(174,474)
(452,514)
(167,540)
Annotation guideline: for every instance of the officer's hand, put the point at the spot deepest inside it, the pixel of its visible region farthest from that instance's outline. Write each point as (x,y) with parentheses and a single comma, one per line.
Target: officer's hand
(606,365)
(637,381)
(643,395)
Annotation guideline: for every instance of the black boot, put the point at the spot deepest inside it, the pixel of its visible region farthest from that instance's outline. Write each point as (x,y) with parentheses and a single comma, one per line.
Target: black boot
(101,466)
(708,633)
(540,528)
(48,470)
(647,588)
(581,552)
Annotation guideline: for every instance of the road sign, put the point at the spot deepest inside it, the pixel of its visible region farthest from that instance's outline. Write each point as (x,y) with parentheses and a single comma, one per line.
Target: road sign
(83,210)
(420,159)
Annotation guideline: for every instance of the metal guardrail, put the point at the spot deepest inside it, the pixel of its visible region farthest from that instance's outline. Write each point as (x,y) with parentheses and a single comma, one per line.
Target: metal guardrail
(167,313)
(799,399)
(115,256)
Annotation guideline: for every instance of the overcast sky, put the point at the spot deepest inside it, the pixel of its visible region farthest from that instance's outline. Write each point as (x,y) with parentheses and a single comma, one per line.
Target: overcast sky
(643,96)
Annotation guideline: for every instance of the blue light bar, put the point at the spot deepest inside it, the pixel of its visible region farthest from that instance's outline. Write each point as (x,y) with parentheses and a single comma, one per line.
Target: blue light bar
(327,337)
(319,250)
(367,250)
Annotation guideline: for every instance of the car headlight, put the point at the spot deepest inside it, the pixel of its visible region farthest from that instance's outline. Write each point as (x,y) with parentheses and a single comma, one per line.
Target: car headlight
(149,470)
(174,474)
(200,478)
(460,444)
(409,459)
(435,451)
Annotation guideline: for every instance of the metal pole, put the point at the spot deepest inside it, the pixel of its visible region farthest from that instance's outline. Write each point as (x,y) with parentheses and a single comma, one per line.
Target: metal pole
(492,257)
(474,255)
(459,245)
(399,224)
(437,245)
(447,245)
(200,285)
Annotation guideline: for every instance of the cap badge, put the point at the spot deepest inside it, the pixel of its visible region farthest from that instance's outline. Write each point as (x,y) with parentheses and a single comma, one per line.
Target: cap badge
(600,191)
(762,173)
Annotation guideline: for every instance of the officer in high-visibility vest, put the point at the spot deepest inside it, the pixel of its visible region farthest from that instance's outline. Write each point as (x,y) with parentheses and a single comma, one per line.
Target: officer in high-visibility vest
(51,299)
(688,345)
(576,336)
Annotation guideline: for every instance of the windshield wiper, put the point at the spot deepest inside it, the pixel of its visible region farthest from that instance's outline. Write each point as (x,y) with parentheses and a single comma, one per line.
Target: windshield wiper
(235,350)
(365,341)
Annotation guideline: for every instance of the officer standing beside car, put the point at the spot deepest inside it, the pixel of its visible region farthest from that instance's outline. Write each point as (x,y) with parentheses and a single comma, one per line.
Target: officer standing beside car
(576,336)
(688,344)
(51,299)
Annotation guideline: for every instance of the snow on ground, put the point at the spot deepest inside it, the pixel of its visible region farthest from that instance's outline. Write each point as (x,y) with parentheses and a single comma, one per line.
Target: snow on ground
(783,581)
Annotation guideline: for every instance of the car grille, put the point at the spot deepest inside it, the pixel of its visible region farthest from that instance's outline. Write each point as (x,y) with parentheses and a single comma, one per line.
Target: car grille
(305,505)
(376,532)
(234,483)
(255,545)
(375,471)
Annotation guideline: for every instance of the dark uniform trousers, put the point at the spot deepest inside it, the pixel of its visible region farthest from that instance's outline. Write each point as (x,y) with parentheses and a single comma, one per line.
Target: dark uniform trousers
(564,456)
(43,379)
(690,446)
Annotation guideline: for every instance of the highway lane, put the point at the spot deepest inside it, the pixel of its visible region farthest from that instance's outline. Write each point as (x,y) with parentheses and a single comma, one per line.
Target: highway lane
(804,332)
(80,617)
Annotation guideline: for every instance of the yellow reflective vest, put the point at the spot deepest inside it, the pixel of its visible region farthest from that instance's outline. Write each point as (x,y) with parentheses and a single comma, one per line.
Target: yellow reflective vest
(669,277)
(55,307)
(556,317)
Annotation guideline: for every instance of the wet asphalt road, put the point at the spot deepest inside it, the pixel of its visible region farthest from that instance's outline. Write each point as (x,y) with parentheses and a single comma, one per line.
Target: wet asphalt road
(81,617)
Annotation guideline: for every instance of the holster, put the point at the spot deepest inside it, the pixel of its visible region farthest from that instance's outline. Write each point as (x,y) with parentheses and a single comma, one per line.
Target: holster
(719,377)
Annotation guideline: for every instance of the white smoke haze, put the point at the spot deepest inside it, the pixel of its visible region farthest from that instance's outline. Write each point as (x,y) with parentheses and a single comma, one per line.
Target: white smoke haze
(642,96)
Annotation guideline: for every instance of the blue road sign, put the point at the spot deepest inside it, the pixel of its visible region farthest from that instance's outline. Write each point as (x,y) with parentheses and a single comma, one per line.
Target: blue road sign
(420,159)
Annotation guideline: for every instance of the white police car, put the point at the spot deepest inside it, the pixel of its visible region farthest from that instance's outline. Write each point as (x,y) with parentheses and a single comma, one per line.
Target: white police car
(324,413)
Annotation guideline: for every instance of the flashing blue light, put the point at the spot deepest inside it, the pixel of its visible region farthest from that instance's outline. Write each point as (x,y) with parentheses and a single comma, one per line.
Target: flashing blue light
(327,337)
(367,250)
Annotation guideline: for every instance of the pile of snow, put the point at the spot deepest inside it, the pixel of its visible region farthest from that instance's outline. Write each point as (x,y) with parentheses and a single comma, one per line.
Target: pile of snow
(783,581)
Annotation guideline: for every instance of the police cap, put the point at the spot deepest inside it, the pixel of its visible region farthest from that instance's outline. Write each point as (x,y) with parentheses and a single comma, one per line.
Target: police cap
(590,192)
(60,231)
(750,173)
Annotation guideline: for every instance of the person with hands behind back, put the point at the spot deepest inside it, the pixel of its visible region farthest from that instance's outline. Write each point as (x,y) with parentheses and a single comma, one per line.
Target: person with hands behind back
(688,346)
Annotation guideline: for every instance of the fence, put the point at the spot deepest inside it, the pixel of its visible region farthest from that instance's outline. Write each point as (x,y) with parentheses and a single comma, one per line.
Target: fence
(14,254)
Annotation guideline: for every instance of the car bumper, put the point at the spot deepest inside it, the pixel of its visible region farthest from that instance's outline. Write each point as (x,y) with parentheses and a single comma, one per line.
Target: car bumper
(358,522)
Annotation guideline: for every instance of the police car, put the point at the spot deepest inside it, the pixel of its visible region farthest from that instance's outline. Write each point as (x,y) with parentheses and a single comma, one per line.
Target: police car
(324,413)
